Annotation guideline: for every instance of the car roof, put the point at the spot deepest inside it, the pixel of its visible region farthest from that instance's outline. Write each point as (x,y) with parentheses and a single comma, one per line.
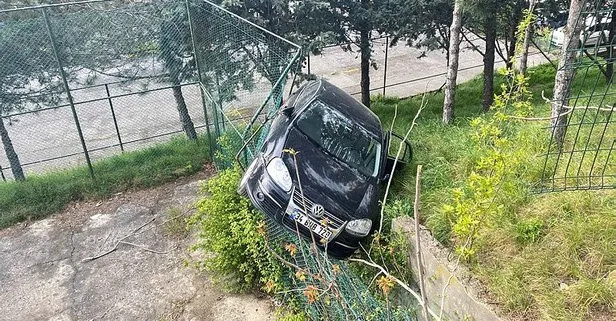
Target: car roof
(347,105)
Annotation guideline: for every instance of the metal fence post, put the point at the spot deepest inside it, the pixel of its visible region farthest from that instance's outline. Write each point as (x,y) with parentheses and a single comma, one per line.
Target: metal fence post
(308,62)
(68,91)
(385,66)
(2,173)
(115,121)
(198,66)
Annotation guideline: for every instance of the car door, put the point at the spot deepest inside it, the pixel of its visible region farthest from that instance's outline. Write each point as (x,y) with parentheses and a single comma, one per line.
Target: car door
(395,142)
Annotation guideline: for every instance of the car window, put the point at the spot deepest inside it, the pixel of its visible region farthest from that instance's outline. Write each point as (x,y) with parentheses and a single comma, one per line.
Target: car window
(306,94)
(341,137)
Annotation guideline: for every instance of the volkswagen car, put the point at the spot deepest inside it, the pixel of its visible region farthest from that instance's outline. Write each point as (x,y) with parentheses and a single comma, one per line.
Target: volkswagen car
(321,167)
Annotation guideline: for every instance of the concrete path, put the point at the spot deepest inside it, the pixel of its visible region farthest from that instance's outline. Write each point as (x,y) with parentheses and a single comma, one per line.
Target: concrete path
(45,273)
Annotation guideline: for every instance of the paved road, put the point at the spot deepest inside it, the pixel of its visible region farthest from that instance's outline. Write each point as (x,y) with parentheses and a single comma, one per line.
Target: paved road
(52,133)
(43,274)
(407,74)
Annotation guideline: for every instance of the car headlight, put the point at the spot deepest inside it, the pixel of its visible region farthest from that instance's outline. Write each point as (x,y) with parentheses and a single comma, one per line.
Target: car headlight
(360,227)
(279,173)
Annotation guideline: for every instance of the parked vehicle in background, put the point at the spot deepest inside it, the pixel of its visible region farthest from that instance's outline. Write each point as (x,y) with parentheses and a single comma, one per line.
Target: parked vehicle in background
(321,166)
(594,33)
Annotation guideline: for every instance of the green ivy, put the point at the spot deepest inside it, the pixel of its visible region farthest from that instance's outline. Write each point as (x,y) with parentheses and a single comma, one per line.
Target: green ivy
(231,232)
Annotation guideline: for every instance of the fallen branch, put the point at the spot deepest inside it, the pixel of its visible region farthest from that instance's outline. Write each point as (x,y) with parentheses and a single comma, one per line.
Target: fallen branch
(400,283)
(420,269)
(144,248)
(121,241)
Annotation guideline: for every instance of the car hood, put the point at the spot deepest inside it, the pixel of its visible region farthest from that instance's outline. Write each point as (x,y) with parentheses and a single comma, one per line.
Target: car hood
(327,181)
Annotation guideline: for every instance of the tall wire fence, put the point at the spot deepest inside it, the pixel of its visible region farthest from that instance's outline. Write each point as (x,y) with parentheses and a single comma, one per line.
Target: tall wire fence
(585,159)
(86,80)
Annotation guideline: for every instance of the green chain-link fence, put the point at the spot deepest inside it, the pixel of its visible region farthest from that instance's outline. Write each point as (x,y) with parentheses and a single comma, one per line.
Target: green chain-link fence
(82,81)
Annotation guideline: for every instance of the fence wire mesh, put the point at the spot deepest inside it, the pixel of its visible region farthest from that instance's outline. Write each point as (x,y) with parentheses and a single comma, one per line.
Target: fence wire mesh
(83,81)
(585,159)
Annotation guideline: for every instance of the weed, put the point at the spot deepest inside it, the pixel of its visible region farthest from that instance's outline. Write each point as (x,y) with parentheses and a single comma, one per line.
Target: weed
(529,231)
(176,224)
(233,231)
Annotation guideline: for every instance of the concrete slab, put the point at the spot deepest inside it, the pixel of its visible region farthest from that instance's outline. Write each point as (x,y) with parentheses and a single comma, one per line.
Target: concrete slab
(45,273)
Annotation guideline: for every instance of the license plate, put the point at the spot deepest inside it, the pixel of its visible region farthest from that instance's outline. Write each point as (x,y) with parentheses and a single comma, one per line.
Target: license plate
(317,228)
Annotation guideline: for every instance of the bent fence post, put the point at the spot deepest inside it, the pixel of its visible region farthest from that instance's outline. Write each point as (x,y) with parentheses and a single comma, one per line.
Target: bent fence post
(68,91)
(115,120)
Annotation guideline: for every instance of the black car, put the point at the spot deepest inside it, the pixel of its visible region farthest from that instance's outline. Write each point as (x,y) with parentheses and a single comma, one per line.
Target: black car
(328,190)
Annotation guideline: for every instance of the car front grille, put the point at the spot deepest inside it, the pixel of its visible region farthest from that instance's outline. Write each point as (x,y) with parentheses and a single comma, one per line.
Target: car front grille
(333,222)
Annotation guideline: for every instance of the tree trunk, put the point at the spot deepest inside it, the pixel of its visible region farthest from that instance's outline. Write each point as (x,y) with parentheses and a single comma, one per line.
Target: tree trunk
(526,44)
(18,173)
(364,47)
(517,18)
(452,67)
(565,72)
(511,50)
(488,61)
(187,124)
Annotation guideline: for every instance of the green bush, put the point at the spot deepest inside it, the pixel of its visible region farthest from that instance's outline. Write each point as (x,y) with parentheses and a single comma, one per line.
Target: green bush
(233,232)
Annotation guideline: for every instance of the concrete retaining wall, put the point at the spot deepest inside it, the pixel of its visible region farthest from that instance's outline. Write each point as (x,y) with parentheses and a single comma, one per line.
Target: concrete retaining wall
(462,295)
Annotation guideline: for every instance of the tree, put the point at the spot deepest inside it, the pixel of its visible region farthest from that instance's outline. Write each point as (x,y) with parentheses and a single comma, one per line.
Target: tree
(358,20)
(175,53)
(509,16)
(29,78)
(527,28)
(489,25)
(484,22)
(564,74)
(452,68)
(423,23)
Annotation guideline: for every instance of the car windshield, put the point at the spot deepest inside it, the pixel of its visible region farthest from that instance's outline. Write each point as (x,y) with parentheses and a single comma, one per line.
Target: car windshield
(341,137)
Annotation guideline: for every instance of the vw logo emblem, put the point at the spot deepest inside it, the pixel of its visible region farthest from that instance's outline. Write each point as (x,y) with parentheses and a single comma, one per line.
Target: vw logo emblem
(317,210)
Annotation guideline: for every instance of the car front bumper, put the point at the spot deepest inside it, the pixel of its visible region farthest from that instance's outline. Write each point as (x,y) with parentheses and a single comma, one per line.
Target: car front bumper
(266,196)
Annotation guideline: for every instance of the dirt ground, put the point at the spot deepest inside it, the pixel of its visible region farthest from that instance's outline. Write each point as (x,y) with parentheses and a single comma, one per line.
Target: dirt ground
(119,259)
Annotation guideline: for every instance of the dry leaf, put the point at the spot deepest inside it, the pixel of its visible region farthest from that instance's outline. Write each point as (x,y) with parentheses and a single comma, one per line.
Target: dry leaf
(385,283)
(300,275)
(291,248)
(311,293)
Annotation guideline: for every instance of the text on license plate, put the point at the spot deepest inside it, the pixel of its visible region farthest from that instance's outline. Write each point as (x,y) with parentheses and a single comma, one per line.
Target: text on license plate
(311,225)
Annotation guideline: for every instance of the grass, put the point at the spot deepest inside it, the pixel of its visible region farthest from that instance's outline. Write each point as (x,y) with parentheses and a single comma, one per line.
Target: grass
(545,257)
(44,194)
